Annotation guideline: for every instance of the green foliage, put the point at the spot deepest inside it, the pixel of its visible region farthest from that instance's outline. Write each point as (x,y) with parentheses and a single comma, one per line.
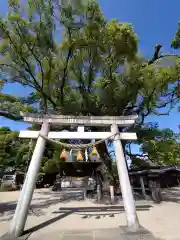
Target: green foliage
(4,130)
(53,163)
(79,73)
(176,40)
(51,166)
(50,162)
(17,153)
(7,149)
(14,152)
(94,69)
(161,146)
(11,106)
(76,62)
(163,151)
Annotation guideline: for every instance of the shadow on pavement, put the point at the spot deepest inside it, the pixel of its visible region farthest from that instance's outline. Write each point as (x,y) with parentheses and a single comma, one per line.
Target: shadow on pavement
(84,211)
(7,209)
(38,208)
(46,223)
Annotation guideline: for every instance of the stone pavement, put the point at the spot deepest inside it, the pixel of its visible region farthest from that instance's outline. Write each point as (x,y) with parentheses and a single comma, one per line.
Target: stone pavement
(120,233)
(55,216)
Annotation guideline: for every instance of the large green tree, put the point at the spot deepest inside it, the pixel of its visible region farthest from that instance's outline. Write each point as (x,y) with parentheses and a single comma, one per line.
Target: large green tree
(76,62)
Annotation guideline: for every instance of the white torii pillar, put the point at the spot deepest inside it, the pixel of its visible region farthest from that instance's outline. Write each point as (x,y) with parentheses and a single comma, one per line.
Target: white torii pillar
(21,213)
(128,199)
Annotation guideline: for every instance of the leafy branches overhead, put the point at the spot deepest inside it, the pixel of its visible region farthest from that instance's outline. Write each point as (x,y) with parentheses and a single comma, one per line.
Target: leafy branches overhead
(77,62)
(158,146)
(31,52)
(176,40)
(162,147)
(24,48)
(10,106)
(10,148)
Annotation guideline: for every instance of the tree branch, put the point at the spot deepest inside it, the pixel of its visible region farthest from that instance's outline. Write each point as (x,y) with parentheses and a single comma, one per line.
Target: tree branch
(63,81)
(28,69)
(10,116)
(16,78)
(31,50)
(90,74)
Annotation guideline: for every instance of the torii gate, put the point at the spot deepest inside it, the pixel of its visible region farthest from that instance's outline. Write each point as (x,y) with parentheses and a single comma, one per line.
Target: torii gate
(21,213)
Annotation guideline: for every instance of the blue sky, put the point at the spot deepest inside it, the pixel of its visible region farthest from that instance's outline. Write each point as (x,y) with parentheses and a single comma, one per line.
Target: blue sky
(154,21)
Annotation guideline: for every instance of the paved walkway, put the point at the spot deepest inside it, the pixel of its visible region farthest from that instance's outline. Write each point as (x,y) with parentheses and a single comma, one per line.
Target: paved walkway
(96,234)
(109,234)
(55,216)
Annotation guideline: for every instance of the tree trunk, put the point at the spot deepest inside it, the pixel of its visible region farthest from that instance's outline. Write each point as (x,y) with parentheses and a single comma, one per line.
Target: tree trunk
(105,168)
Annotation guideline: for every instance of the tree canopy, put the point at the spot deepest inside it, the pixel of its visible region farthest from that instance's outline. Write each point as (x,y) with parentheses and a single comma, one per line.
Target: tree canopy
(10,149)
(77,62)
(160,146)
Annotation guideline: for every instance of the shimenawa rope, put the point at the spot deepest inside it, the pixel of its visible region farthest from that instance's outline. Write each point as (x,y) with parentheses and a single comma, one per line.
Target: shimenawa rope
(76,146)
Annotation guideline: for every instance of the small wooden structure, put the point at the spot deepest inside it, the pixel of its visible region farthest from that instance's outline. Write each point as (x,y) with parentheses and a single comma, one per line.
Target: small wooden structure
(149,180)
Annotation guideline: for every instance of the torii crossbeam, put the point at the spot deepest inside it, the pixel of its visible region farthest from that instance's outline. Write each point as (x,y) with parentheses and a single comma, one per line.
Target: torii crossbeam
(20,216)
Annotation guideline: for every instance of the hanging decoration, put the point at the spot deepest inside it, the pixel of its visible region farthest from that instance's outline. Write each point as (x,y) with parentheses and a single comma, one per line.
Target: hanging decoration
(79,156)
(64,155)
(94,155)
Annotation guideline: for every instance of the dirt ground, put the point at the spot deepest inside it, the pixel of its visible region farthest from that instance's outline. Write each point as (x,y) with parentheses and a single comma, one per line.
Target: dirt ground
(51,211)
